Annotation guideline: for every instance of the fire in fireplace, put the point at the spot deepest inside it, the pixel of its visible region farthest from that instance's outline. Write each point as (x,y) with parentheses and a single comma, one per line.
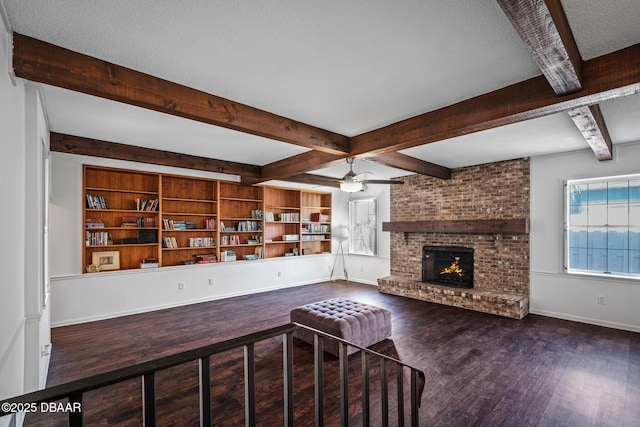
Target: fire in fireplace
(448,265)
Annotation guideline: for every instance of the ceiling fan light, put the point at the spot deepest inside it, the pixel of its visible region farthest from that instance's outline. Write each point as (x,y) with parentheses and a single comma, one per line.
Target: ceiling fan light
(351,186)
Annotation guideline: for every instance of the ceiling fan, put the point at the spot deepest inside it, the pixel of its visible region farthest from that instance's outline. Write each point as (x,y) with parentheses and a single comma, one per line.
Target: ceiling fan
(353,182)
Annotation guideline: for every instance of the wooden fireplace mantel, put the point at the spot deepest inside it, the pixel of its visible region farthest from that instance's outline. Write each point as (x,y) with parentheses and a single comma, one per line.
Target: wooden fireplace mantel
(481,226)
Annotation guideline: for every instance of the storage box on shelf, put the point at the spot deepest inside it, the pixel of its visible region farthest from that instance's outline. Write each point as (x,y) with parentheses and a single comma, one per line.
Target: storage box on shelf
(189,212)
(240,222)
(120,215)
(315,222)
(281,222)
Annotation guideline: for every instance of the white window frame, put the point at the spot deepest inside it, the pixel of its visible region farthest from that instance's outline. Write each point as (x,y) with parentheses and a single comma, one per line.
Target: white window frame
(601,217)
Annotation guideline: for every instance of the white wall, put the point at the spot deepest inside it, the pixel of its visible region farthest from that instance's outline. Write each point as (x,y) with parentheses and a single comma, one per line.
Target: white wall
(553,292)
(12,216)
(78,297)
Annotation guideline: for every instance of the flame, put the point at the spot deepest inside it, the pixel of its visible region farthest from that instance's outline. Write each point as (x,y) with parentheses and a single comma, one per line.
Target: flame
(454,268)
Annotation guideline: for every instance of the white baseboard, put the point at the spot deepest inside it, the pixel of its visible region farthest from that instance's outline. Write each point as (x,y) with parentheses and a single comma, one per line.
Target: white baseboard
(580,319)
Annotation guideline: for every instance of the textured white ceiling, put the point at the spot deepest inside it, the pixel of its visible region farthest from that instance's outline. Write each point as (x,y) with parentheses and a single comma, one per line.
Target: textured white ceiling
(345,66)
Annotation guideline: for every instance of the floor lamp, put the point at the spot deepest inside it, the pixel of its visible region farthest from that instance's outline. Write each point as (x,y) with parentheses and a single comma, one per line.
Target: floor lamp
(341,234)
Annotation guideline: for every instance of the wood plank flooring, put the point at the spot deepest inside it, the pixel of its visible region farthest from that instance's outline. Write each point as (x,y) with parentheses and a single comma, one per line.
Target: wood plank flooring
(481,369)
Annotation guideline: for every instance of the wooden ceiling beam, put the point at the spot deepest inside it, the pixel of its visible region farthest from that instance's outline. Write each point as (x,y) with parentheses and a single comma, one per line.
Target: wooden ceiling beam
(43,62)
(313,179)
(296,165)
(411,164)
(93,147)
(590,123)
(543,26)
(606,77)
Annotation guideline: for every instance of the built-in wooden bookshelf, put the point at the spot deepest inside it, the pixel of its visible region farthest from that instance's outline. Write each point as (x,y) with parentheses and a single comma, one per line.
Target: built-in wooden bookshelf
(152,219)
(189,210)
(121,215)
(281,222)
(315,228)
(240,222)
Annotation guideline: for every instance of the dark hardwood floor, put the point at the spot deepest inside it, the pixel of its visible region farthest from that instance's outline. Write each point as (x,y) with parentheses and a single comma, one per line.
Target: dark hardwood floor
(481,370)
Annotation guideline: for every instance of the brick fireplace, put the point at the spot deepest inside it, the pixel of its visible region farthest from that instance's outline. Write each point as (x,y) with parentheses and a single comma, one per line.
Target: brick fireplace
(491,193)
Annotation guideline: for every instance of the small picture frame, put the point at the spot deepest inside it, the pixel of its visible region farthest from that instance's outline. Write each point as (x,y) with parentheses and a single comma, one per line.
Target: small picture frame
(108,260)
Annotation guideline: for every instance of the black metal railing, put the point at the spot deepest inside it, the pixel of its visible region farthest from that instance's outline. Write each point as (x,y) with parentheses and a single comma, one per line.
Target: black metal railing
(74,390)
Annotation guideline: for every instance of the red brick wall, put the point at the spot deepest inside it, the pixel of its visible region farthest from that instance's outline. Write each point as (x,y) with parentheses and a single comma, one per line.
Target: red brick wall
(489,191)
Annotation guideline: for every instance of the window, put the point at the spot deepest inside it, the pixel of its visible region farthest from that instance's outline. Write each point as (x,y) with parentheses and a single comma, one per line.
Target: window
(362,226)
(603,226)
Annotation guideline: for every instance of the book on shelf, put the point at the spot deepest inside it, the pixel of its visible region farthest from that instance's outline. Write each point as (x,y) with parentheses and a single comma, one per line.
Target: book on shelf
(318,217)
(268,216)
(228,255)
(210,223)
(205,258)
(147,204)
(249,225)
(139,222)
(149,263)
(96,202)
(201,242)
(288,217)
(93,223)
(256,213)
(98,238)
(169,242)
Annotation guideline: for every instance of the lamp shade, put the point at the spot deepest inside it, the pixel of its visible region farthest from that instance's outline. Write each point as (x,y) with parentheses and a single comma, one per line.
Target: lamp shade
(341,233)
(351,186)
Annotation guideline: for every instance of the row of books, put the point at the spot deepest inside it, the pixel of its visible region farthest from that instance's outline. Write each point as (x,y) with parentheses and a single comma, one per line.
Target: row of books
(201,242)
(232,239)
(318,217)
(96,202)
(169,242)
(170,224)
(314,237)
(98,238)
(256,213)
(249,226)
(138,222)
(282,217)
(147,204)
(315,228)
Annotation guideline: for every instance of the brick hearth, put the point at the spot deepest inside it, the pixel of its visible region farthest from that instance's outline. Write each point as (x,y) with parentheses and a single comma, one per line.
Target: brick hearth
(495,191)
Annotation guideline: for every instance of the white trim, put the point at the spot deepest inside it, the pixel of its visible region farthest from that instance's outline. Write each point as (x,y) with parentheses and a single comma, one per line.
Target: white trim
(580,319)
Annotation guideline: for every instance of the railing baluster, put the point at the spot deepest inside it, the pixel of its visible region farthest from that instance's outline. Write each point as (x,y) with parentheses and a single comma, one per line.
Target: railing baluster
(344,384)
(318,387)
(384,392)
(365,388)
(205,391)
(75,416)
(149,400)
(249,385)
(414,398)
(287,357)
(400,383)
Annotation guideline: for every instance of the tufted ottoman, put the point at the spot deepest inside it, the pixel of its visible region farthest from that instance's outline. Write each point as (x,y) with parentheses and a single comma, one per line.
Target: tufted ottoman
(359,323)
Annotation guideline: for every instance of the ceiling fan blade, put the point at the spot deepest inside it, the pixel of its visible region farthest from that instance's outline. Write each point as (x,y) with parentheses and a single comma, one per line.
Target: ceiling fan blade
(360,176)
(381,181)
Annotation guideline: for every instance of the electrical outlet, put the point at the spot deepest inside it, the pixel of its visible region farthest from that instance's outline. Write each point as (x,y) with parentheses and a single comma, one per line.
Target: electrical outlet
(279,273)
(212,281)
(601,300)
(181,286)
(361,269)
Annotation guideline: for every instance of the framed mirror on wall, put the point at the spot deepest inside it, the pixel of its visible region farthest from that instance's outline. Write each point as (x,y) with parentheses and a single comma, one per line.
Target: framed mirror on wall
(363,226)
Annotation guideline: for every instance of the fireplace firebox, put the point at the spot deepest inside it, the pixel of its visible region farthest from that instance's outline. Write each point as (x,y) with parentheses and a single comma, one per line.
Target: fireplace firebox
(448,265)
